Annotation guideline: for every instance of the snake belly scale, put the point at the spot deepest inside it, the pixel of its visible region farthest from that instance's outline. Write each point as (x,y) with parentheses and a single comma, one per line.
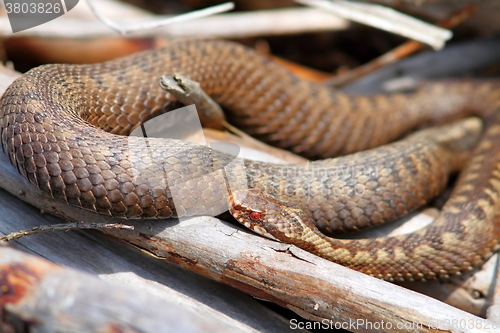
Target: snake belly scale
(52,121)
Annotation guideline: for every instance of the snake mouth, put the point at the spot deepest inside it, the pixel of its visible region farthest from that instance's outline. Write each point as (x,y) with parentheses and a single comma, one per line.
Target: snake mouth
(256,228)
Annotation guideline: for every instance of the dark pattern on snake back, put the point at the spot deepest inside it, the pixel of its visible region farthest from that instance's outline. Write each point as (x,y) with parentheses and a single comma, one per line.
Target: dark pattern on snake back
(49,119)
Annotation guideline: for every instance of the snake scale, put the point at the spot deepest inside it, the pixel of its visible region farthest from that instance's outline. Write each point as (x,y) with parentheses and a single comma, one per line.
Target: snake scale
(52,121)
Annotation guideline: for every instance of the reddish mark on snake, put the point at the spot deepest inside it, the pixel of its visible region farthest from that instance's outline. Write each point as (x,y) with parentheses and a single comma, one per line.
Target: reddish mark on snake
(255,216)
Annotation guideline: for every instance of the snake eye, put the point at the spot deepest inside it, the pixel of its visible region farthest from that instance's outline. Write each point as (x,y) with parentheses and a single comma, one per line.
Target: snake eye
(255,216)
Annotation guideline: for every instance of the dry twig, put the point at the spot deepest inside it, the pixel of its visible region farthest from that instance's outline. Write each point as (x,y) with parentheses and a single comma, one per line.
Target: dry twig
(148,25)
(386,19)
(63,227)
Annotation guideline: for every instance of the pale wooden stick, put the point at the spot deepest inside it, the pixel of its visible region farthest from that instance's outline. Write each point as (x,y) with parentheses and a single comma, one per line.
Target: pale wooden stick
(148,25)
(386,19)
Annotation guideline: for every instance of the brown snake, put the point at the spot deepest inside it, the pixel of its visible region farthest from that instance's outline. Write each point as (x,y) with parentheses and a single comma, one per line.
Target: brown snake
(49,119)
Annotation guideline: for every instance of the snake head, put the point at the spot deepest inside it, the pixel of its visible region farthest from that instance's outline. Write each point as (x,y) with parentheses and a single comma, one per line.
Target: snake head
(252,208)
(267,216)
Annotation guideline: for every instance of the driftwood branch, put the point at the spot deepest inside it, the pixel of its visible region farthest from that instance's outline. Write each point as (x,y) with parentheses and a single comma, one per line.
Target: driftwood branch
(312,287)
(39,295)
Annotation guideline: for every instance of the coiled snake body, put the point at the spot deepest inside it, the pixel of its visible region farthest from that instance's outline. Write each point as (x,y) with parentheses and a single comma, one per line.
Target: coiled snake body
(49,129)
